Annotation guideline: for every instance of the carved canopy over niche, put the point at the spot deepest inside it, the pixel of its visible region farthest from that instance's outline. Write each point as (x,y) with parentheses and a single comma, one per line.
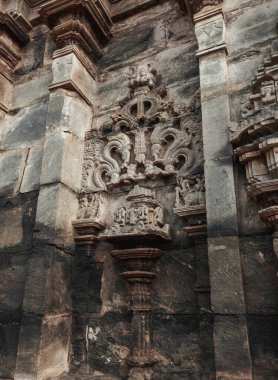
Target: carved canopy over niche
(149,143)
(255,138)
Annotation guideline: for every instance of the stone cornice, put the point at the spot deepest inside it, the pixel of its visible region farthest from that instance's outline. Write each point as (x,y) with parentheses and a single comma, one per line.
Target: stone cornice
(14,34)
(78,22)
(195,6)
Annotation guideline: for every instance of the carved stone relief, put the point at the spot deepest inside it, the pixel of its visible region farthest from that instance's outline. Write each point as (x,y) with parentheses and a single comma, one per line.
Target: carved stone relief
(255,140)
(150,143)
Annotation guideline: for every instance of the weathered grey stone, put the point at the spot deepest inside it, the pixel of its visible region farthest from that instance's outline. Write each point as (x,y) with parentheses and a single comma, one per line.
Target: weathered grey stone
(213,75)
(215,114)
(221,206)
(61,157)
(11,167)
(259,260)
(16,222)
(32,91)
(227,294)
(57,207)
(68,72)
(232,354)
(25,129)
(67,112)
(31,176)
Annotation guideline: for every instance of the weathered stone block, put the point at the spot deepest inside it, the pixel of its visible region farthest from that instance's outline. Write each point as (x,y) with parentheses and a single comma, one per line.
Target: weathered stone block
(47,287)
(28,348)
(31,177)
(13,272)
(213,76)
(32,91)
(57,207)
(16,222)
(26,128)
(69,73)
(177,345)
(221,205)
(227,294)
(215,115)
(231,346)
(9,331)
(263,329)
(62,157)
(11,167)
(174,286)
(260,261)
(55,341)
(67,112)
(250,26)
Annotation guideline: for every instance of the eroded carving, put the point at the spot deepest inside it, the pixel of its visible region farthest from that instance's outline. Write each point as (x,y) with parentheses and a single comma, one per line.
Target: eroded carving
(139,214)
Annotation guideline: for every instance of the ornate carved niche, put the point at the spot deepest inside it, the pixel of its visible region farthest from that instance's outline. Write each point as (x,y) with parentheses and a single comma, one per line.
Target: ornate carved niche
(80,23)
(255,137)
(148,146)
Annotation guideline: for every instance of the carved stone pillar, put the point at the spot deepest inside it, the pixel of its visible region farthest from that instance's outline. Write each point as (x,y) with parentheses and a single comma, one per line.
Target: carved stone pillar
(231,344)
(139,272)
(69,117)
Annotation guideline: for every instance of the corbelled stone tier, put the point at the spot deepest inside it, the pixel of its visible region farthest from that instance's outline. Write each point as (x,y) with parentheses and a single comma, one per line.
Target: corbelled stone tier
(14,35)
(195,6)
(79,22)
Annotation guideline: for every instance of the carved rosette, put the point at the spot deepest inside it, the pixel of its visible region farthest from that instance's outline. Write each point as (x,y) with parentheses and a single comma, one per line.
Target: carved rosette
(255,140)
(148,145)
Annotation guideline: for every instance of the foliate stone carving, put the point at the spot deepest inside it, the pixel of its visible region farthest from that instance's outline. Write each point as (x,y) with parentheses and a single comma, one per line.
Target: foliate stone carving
(140,214)
(254,138)
(149,139)
(85,24)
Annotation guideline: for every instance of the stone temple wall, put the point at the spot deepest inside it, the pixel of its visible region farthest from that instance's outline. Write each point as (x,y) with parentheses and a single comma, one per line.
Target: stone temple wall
(77,77)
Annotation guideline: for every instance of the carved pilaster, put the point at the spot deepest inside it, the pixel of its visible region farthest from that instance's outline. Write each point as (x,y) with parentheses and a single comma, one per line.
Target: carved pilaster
(82,23)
